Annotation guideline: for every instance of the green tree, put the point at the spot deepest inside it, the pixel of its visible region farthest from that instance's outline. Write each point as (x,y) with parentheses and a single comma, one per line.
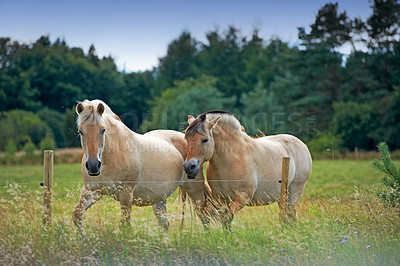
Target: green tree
(310,84)
(106,82)
(383,25)
(29,149)
(388,124)
(324,144)
(383,31)
(15,86)
(222,58)
(53,75)
(190,96)
(330,27)
(21,126)
(266,60)
(54,120)
(255,59)
(70,129)
(179,63)
(47,143)
(259,107)
(392,176)
(132,101)
(11,147)
(355,122)
(359,83)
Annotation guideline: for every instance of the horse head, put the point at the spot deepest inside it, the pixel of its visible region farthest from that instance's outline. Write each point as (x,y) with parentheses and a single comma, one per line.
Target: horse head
(92,129)
(200,142)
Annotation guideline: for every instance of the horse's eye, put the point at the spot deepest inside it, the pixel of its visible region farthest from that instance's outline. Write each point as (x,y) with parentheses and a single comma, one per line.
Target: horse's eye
(102,131)
(204,140)
(80,132)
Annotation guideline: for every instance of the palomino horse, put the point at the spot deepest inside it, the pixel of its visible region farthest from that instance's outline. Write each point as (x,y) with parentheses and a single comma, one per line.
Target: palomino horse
(242,170)
(134,169)
(198,191)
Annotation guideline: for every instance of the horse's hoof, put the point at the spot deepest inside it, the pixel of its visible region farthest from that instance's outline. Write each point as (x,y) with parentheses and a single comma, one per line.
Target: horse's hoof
(228,227)
(166,227)
(226,216)
(83,238)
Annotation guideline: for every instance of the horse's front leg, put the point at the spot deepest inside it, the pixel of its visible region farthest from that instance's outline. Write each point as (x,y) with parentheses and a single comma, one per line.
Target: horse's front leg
(126,201)
(200,195)
(86,200)
(160,210)
(201,209)
(227,214)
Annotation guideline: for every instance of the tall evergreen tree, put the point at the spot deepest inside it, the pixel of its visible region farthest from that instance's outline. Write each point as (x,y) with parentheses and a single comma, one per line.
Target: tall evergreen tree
(383,25)
(330,28)
(178,64)
(222,57)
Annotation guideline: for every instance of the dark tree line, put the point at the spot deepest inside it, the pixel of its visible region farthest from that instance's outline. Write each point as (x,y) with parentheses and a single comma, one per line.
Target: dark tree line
(310,90)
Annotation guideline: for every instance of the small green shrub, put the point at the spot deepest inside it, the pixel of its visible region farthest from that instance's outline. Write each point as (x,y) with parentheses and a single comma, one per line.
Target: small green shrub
(54,120)
(19,125)
(323,145)
(391,178)
(47,143)
(29,149)
(11,147)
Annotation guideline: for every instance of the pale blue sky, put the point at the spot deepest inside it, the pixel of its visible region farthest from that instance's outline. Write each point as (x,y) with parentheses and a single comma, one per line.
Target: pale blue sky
(137,33)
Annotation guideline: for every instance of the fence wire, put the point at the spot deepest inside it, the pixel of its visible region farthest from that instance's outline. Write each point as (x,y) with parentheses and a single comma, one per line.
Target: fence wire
(185,181)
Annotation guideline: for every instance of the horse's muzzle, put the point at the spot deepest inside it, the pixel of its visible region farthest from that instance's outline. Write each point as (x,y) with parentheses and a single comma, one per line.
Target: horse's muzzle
(93,167)
(191,168)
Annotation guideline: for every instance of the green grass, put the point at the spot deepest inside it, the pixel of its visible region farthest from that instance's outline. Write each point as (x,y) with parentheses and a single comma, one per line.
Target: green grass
(257,235)
(30,176)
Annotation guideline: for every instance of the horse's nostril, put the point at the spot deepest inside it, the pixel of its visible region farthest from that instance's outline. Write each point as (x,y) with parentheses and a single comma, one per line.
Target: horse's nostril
(93,167)
(191,167)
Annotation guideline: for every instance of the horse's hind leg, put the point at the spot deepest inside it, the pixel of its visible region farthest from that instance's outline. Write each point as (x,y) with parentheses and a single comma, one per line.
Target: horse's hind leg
(160,210)
(86,200)
(296,189)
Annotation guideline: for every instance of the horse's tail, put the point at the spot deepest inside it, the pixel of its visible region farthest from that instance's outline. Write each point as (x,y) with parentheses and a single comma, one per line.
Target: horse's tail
(182,198)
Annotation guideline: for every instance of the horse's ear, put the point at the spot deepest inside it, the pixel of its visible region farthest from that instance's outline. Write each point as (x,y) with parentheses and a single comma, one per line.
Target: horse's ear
(191,119)
(100,108)
(213,122)
(79,108)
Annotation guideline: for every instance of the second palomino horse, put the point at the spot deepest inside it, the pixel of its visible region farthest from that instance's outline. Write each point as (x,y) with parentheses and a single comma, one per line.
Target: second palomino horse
(197,190)
(242,170)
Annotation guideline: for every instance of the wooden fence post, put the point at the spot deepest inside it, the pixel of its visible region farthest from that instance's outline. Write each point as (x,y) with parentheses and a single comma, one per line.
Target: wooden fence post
(283,202)
(48,186)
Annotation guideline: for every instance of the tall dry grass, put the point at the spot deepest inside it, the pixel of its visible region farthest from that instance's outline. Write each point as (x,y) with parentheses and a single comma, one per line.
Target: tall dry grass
(349,228)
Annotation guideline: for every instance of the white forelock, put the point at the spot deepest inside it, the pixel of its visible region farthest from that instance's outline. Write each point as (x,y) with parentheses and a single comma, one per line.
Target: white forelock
(90,116)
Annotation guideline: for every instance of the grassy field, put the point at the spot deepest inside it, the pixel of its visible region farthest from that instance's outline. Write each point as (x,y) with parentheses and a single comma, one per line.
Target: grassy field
(341,222)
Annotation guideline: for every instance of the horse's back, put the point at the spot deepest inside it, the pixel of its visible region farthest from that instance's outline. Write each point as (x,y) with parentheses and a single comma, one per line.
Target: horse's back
(177,139)
(295,149)
(157,153)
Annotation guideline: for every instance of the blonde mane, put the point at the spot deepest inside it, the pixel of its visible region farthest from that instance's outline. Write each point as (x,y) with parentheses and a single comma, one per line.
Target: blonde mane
(90,116)
(227,119)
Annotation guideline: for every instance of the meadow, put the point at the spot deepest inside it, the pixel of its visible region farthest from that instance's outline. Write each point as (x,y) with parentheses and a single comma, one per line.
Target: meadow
(341,221)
